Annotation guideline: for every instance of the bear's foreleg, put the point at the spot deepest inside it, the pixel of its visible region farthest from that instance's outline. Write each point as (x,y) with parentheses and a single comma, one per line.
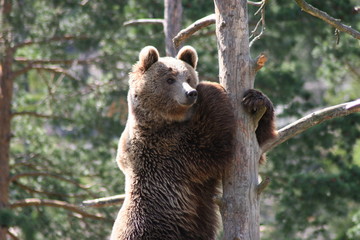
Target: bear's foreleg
(261,108)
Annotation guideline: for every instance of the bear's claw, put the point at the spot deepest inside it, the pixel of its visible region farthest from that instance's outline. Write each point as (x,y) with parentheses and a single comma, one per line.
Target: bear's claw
(255,100)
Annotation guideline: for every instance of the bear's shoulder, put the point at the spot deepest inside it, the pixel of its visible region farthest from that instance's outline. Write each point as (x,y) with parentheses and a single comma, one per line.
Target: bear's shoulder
(214,104)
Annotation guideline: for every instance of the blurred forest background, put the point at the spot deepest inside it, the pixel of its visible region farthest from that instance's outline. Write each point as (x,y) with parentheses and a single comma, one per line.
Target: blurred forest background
(70,61)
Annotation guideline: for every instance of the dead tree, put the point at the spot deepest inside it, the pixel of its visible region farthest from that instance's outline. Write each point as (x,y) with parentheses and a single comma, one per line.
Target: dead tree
(240,202)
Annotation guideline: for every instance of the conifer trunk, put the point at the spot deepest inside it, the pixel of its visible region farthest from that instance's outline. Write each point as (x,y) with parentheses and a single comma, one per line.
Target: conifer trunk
(240,206)
(5,133)
(6,90)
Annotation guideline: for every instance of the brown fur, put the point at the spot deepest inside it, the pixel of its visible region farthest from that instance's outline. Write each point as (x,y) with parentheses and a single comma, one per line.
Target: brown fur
(254,100)
(172,150)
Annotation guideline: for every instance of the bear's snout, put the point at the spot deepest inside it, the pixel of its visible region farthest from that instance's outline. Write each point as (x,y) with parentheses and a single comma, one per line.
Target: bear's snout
(188,96)
(192,94)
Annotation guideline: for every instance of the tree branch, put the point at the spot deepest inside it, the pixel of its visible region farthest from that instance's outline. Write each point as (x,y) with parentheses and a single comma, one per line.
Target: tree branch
(35,114)
(311,120)
(41,167)
(22,71)
(260,62)
(190,30)
(27,164)
(327,18)
(32,190)
(258,4)
(187,32)
(210,19)
(47,174)
(54,69)
(12,235)
(48,40)
(104,202)
(52,61)
(261,21)
(144,21)
(55,203)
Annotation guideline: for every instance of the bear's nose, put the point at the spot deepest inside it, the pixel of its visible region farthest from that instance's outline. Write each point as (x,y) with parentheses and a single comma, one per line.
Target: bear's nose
(192,94)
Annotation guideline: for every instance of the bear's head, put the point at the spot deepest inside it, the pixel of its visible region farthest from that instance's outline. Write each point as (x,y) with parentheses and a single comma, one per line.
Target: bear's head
(163,89)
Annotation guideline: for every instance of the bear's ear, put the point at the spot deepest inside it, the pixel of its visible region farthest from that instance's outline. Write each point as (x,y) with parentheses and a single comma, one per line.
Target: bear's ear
(188,54)
(147,57)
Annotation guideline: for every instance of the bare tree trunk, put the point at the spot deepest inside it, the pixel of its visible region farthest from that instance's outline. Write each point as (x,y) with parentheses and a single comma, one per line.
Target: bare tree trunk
(172,24)
(6,90)
(240,206)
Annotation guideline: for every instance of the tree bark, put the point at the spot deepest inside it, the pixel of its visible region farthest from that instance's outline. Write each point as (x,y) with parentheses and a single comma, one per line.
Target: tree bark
(240,205)
(6,90)
(172,24)
(190,30)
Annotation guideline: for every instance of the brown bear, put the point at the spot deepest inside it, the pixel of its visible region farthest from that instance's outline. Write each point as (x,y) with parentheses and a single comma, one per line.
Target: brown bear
(177,141)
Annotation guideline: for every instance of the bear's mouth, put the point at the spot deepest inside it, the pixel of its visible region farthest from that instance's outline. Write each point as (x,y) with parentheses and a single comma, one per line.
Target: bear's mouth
(187,103)
(188,100)
(178,113)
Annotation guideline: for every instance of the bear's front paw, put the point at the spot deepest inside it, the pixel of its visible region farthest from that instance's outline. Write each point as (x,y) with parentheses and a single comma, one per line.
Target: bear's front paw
(255,101)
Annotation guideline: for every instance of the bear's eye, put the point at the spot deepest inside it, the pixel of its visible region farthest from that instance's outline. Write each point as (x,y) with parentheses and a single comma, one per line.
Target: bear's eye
(188,80)
(170,80)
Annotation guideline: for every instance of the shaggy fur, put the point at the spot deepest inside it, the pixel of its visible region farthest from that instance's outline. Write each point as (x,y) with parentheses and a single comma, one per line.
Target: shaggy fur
(178,139)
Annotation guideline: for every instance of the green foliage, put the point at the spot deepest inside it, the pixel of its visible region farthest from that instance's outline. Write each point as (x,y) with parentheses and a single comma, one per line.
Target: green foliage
(317,199)
(315,176)
(354,232)
(314,188)
(6,217)
(84,114)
